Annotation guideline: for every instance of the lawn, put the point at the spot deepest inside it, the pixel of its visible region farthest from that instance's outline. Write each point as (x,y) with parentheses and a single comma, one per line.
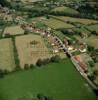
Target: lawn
(6,55)
(31,48)
(61,81)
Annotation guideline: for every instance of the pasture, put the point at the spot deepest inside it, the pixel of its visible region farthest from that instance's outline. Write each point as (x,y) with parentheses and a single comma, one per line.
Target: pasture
(31,48)
(60,80)
(6,55)
(13,30)
(66,10)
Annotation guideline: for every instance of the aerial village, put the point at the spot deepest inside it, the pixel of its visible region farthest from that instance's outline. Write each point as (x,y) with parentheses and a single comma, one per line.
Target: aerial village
(30,40)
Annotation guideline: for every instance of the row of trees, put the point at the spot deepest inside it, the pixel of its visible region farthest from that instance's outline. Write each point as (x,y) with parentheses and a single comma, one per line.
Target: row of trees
(41,62)
(4,3)
(53,59)
(37,97)
(94,33)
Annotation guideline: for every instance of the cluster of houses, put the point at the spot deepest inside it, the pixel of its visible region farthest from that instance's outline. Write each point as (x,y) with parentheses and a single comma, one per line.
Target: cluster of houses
(56,47)
(82,47)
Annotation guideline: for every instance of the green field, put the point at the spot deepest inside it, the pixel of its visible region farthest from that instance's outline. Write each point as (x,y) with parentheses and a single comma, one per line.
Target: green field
(93,27)
(61,81)
(66,10)
(77,20)
(55,24)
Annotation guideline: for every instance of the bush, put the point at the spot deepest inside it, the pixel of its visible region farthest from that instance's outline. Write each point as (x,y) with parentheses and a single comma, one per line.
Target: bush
(95,33)
(91,63)
(96,72)
(39,62)
(55,58)
(90,48)
(91,77)
(26,66)
(40,97)
(1,74)
(31,66)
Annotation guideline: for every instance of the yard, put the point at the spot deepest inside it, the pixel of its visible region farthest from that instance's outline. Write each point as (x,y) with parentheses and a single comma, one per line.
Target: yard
(31,48)
(13,30)
(59,80)
(6,55)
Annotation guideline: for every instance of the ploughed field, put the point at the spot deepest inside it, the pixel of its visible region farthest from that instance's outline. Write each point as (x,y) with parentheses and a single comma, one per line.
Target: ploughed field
(59,80)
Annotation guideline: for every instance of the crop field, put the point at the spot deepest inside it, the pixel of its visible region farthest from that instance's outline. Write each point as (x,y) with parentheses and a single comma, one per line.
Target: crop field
(93,27)
(79,20)
(60,80)
(55,24)
(82,30)
(65,10)
(13,30)
(92,40)
(26,0)
(31,48)
(6,55)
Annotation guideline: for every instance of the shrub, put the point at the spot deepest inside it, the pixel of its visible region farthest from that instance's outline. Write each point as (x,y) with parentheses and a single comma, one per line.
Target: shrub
(39,62)
(26,66)
(31,66)
(55,58)
(91,63)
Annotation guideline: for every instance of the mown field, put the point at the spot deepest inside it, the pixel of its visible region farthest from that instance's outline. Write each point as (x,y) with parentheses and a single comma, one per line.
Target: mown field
(61,81)
(31,48)
(6,55)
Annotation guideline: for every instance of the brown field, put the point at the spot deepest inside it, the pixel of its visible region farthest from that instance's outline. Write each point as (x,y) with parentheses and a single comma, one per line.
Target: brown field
(30,53)
(13,30)
(6,55)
